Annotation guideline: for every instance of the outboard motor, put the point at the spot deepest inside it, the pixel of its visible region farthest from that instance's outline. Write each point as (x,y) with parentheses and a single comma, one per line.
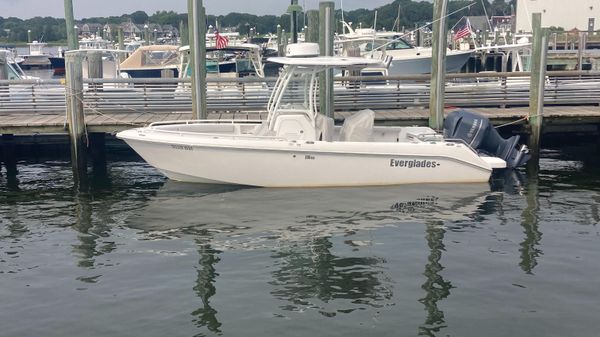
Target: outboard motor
(479,133)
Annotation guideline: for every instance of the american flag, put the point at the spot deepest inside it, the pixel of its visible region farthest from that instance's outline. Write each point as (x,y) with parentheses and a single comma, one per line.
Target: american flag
(220,40)
(464,31)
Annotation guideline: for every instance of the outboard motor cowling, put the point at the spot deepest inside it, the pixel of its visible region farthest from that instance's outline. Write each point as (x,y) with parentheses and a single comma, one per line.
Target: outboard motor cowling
(479,133)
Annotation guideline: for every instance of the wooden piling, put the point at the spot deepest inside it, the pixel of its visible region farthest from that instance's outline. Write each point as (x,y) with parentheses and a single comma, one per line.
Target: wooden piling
(3,65)
(98,154)
(75,115)
(293,10)
(312,31)
(8,157)
(284,42)
(120,39)
(438,66)
(326,30)
(95,68)
(537,85)
(184,39)
(70,23)
(121,43)
(581,45)
(197,33)
(280,51)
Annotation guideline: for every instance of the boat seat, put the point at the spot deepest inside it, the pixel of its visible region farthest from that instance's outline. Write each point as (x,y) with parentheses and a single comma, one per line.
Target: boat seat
(325,126)
(358,127)
(263,130)
(294,127)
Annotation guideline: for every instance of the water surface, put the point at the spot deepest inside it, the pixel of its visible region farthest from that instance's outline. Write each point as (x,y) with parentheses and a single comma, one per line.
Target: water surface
(138,255)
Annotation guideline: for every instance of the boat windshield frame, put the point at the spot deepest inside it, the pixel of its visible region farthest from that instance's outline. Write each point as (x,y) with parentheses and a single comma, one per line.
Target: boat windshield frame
(307,69)
(307,79)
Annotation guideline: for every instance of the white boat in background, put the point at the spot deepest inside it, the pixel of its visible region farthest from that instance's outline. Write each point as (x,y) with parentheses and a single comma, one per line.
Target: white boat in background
(401,57)
(36,57)
(12,69)
(235,60)
(299,147)
(154,61)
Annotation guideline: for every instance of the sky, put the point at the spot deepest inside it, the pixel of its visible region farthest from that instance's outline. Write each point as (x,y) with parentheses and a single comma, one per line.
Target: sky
(25,9)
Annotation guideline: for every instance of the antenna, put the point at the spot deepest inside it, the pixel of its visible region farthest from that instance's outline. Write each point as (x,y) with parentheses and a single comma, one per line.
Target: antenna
(487,18)
(397,20)
(375,22)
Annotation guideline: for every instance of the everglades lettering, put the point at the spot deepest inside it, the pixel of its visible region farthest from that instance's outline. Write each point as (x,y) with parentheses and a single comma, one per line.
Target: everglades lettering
(414,163)
(182,147)
(416,205)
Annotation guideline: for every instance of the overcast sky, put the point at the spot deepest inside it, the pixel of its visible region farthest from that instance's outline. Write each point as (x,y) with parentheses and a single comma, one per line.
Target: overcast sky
(89,8)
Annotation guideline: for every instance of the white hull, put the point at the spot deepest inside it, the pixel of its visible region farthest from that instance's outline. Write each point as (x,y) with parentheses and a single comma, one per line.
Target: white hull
(421,64)
(271,163)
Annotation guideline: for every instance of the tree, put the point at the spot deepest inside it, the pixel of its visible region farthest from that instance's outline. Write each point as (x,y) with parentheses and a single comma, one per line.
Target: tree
(165,18)
(139,17)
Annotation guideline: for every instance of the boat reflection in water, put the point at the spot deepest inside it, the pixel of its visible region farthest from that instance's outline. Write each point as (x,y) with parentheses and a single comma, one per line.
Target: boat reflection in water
(300,227)
(300,213)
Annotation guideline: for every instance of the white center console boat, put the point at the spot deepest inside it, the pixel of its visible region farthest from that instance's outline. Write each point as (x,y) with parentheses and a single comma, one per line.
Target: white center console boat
(296,146)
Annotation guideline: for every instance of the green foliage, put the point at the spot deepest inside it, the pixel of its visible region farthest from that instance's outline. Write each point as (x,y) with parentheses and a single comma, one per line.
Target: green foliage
(139,17)
(165,18)
(412,14)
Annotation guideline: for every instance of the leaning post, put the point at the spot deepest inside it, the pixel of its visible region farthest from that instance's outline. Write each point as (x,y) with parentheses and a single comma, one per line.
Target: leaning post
(70,23)
(197,36)
(537,85)
(326,30)
(75,115)
(312,30)
(438,66)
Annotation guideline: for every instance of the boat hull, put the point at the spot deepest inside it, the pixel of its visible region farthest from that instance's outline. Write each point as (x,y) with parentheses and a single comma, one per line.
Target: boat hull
(35,61)
(422,64)
(58,64)
(309,164)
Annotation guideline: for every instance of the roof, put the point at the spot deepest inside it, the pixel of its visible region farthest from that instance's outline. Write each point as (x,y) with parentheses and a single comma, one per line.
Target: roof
(331,61)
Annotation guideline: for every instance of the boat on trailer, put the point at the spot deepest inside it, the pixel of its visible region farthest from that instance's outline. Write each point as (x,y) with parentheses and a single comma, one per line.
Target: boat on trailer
(297,146)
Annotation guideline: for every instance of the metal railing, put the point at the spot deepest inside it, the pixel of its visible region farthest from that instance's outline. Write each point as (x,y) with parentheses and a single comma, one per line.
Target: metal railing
(251,94)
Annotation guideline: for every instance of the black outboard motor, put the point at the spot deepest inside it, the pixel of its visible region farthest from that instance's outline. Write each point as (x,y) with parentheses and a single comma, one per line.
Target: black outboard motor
(479,133)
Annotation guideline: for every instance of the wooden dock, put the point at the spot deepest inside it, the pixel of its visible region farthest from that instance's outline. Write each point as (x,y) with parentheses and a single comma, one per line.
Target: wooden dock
(556,118)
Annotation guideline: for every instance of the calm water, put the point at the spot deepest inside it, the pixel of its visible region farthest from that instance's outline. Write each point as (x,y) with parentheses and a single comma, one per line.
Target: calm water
(136,255)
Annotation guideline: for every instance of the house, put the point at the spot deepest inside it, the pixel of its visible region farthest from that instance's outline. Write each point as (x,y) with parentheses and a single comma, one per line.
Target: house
(130,30)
